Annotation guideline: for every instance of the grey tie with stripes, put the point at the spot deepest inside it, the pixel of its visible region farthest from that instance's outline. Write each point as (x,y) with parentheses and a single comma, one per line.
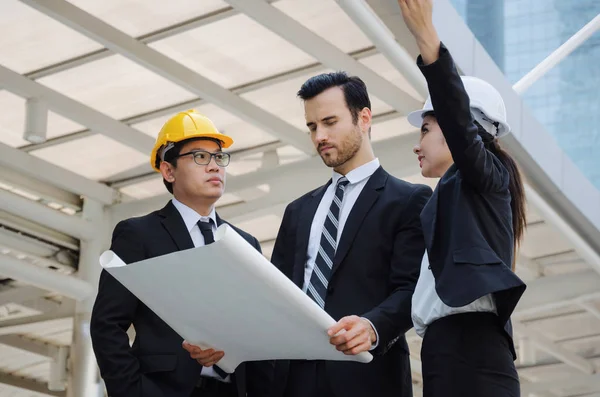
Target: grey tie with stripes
(319,279)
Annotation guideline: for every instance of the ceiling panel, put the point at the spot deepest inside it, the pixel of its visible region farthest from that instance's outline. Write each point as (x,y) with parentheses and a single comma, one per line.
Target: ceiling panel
(149,188)
(9,391)
(586,347)
(328,20)
(12,119)
(385,69)
(15,359)
(391,128)
(39,370)
(95,157)
(233,51)
(117,87)
(263,228)
(568,327)
(543,240)
(32,40)
(137,17)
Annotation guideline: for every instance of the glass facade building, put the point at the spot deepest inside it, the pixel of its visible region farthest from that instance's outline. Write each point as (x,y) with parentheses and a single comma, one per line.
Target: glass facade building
(518,35)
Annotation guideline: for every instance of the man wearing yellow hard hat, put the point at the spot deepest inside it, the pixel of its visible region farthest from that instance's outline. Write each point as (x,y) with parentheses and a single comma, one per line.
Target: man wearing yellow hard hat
(188,153)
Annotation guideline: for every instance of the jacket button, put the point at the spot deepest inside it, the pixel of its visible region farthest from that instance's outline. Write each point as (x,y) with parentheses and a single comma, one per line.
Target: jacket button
(330,290)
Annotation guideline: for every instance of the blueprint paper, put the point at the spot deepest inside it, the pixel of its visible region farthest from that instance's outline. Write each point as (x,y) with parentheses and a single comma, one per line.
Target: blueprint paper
(228,296)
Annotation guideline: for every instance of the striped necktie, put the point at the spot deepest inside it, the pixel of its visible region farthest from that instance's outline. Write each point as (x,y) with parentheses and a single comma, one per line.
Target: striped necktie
(319,279)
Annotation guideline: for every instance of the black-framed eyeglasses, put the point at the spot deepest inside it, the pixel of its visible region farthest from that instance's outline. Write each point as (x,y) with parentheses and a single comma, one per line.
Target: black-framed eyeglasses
(202,157)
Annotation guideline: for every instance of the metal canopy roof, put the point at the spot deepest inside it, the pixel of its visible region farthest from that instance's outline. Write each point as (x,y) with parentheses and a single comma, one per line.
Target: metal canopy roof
(111,72)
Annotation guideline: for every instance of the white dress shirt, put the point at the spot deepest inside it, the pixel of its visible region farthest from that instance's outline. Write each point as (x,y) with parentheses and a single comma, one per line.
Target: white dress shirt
(428,307)
(357,179)
(191,219)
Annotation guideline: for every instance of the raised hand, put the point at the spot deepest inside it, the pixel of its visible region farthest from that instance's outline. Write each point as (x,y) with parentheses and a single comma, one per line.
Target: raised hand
(418,16)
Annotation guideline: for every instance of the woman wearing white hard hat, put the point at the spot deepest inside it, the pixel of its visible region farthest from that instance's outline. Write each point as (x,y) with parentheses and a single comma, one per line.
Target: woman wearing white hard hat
(472,225)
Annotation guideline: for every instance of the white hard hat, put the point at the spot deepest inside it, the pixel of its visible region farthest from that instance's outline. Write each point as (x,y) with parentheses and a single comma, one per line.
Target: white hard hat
(487,107)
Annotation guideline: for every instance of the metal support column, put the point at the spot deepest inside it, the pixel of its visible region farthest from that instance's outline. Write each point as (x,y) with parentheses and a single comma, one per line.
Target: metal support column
(83,377)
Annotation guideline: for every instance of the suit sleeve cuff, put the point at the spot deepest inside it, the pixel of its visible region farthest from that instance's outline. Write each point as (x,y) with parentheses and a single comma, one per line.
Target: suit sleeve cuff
(374,345)
(439,69)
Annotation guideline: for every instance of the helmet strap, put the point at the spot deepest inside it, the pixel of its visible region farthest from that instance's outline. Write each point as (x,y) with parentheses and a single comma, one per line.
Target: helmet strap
(165,149)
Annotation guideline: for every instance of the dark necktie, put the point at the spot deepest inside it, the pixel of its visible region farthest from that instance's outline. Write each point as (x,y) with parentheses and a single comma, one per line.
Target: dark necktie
(319,279)
(206,230)
(209,238)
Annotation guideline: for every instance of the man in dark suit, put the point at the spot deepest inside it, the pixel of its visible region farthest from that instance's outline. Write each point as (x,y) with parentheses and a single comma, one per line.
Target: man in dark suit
(354,245)
(188,153)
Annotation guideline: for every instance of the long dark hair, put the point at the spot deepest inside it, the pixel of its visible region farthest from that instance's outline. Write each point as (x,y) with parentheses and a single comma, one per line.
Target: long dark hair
(515,186)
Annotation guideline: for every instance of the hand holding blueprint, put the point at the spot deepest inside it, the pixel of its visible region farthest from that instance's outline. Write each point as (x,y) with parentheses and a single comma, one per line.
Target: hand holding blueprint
(227,296)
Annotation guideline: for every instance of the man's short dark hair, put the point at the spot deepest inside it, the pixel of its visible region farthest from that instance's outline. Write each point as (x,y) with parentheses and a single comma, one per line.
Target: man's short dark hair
(355,90)
(171,155)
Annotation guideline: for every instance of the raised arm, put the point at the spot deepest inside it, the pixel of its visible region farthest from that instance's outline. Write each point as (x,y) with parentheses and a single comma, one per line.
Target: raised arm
(478,166)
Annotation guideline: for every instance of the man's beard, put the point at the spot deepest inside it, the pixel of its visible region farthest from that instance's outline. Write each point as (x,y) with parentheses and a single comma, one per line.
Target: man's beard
(345,151)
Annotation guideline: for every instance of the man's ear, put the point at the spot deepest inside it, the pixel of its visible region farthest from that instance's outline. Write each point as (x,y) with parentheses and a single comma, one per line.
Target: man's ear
(365,118)
(166,169)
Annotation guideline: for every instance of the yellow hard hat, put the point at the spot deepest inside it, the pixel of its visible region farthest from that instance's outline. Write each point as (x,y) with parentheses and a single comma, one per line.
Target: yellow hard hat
(186,125)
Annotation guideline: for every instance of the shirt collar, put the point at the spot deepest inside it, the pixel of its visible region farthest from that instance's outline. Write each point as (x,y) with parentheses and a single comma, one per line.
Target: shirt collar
(191,217)
(358,174)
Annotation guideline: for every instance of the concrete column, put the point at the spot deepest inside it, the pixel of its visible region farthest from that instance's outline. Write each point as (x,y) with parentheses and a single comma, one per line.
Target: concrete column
(83,377)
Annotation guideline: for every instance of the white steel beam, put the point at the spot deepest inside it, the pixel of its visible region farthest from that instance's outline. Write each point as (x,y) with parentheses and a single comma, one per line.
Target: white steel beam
(30,345)
(26,244)
(47,191)
(76,111)
(556,291)
(31,324)
(559,352)
(590,308)
(45,278)
(20,294)
(147,38)
(364,16)
(566,383)
(192,103)
(166,67)
(29,384)
(587,252)
(36,230)
(46,172)
(84,381)
(69,224)
(558,55)
(330,55)
(65,266)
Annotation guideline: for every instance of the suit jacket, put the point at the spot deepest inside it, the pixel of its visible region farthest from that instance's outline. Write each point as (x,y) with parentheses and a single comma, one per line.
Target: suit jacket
(374,274)
(156,365)
(468,221)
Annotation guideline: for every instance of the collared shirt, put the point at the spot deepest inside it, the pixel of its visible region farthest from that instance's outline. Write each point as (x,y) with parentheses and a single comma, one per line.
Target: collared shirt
(191,218)
(357,179)
(428,307)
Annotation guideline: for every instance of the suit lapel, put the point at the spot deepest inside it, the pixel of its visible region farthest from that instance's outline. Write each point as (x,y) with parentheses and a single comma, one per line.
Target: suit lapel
(429,212)
(173,222)
(306,216)
(365,201)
